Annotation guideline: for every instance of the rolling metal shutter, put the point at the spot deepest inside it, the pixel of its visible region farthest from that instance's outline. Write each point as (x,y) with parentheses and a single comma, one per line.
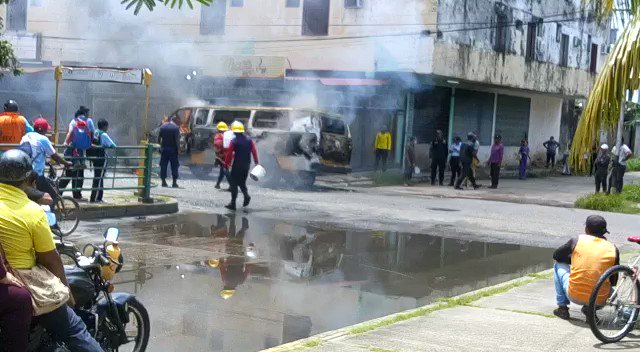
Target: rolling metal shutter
(512,119)
(473,112)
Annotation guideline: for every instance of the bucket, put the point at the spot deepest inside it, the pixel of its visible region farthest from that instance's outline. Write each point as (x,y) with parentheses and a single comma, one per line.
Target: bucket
(258,173)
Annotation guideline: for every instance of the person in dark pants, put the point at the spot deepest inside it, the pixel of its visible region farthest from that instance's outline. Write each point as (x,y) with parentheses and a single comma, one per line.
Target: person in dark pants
(410,160)
(15,312)
(616,180)
(101,141)
(383,148)
(495,160)
(78,141)
(218,146)
(439,151)
(240,151)
(169,140)
(601,166)
(467,153)
(454,159)
(552,147)
(594,156)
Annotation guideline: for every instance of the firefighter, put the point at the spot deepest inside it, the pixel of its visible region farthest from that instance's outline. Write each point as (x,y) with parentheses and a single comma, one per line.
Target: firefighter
(12,125)
(240,151)
(218,146)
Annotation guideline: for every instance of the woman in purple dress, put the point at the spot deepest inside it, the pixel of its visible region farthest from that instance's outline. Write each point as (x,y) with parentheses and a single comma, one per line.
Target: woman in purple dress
(524,158)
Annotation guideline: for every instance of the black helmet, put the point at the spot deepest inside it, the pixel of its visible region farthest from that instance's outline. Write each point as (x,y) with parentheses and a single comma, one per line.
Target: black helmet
(11,106)
(15,166)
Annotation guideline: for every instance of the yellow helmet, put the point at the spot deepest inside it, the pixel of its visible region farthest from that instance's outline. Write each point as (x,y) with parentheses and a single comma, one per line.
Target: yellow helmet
(214,263)
(226,294)
(222,126)
(237,127)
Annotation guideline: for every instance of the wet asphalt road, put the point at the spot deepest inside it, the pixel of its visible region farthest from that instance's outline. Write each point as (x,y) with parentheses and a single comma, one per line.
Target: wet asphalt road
(297,263)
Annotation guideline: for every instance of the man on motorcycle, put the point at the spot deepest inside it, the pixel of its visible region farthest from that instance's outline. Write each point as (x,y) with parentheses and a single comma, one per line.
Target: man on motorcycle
(28,241)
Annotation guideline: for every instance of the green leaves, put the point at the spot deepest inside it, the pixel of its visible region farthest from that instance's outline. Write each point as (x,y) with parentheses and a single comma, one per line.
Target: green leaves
(8,61)
(151,4)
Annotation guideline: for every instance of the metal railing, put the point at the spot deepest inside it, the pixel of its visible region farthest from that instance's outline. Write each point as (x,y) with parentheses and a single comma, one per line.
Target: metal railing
(122,164)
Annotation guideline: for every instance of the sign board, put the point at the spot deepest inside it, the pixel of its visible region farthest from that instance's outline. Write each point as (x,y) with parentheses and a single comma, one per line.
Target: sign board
(101,74)
(245,66)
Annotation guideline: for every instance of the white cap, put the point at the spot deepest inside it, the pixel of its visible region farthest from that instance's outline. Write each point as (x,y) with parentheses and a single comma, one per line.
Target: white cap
(604,146)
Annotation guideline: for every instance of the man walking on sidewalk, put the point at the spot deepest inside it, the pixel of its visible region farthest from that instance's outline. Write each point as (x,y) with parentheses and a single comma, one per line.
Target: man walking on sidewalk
(579,265)
(240,151)
(467,154)
(495,160)
(169,140)
(383,147)
(439,150)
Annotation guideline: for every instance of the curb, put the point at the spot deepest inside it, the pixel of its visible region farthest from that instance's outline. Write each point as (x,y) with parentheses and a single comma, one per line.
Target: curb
(328,336)
(164,205)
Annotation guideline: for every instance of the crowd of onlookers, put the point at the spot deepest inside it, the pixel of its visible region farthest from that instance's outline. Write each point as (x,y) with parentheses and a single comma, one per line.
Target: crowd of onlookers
(462,161)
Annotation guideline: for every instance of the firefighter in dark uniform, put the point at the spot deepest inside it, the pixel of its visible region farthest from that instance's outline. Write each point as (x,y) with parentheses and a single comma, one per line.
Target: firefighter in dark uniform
(240,151)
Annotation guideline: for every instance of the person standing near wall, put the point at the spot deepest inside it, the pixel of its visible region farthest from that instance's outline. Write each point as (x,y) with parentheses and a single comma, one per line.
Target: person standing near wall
(410,160)
(495,160)
(524,158)
(601,167)
(551,146)
(439,151)
(382,148)
(454,159)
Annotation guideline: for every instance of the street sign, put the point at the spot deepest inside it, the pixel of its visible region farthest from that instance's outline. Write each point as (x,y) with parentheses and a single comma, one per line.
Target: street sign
(102,74)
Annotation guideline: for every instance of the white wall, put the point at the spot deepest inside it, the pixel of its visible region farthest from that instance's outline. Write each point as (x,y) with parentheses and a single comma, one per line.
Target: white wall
(544,122)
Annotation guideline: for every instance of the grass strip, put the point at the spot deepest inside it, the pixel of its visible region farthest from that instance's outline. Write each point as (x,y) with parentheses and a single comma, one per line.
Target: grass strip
(526,312)
(443,304)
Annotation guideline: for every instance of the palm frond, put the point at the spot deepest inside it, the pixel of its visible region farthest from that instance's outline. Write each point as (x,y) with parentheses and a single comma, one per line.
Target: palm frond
(621,72)
(151,4)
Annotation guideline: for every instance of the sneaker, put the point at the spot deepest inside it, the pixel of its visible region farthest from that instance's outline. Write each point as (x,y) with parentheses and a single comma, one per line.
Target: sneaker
(230,206)
(175,185)
(562,312)
(493,187)
(246,202)
(476,186)
(217,187)
(458,188)
(164,184)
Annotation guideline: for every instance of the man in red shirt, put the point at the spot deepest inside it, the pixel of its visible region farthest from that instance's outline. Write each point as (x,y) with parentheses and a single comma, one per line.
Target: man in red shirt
(218,146)
(240,151)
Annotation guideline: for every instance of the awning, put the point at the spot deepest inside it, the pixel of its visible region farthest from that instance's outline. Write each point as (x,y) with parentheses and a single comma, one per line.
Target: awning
(341,81)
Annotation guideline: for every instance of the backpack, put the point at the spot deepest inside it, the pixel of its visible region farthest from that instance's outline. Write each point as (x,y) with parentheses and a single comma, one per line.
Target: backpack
(81,138)
(96,138)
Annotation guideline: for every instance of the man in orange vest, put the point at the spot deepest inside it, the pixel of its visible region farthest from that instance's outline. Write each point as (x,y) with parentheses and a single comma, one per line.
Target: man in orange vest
(12,125)
(580,263)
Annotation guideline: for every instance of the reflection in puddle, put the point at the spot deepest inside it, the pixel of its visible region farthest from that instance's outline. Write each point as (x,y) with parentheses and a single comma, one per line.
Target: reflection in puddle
(254,283)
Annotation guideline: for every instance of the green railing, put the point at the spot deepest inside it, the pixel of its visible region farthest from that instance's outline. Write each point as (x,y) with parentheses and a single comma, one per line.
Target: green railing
(123,163)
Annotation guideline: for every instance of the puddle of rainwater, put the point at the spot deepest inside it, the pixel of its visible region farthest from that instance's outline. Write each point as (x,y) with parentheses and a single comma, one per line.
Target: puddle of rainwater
(222,283)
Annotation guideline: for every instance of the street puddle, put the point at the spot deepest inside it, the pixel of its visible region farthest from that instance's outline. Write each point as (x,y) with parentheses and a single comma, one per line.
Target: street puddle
(231,283)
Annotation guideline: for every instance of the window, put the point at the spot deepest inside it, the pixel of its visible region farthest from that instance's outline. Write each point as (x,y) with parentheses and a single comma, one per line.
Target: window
(271,119)
(17,15)
(353,4)
(213,17)
(293,3)
(593,64)
(540,28)
(531,40)
(502,28)
(237,3)
(201,116)
(564,50)
(315,17)
(333,125)
(512,119)
(229,116)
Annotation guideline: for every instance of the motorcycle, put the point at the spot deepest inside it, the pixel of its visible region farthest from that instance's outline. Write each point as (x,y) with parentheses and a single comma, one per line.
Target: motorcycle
(117,320)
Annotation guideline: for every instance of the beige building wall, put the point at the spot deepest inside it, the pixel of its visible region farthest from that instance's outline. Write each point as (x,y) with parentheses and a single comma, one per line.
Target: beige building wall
(105,32)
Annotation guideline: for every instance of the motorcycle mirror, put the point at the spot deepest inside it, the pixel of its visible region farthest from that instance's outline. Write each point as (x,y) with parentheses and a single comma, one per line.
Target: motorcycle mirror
(88,250)
(111,235)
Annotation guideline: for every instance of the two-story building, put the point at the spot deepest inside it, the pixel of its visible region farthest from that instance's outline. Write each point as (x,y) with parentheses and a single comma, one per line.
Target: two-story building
(415,66)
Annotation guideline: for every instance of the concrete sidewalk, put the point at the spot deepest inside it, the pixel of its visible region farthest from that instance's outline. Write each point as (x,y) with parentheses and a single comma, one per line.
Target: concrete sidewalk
(123,204)
(517,318)
(558,191)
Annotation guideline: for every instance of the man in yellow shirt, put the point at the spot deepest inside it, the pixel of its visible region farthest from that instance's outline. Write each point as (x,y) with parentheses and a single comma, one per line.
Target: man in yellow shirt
(28,241)
(383,147)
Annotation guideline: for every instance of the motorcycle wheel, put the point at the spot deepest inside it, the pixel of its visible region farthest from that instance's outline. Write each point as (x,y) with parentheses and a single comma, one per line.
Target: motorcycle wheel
(138,329)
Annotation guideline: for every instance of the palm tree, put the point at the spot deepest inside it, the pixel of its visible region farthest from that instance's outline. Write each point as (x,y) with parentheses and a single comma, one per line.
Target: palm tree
(620,74)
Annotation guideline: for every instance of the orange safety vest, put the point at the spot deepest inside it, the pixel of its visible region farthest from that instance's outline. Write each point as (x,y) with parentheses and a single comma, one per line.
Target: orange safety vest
(591,257)
(12,128)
